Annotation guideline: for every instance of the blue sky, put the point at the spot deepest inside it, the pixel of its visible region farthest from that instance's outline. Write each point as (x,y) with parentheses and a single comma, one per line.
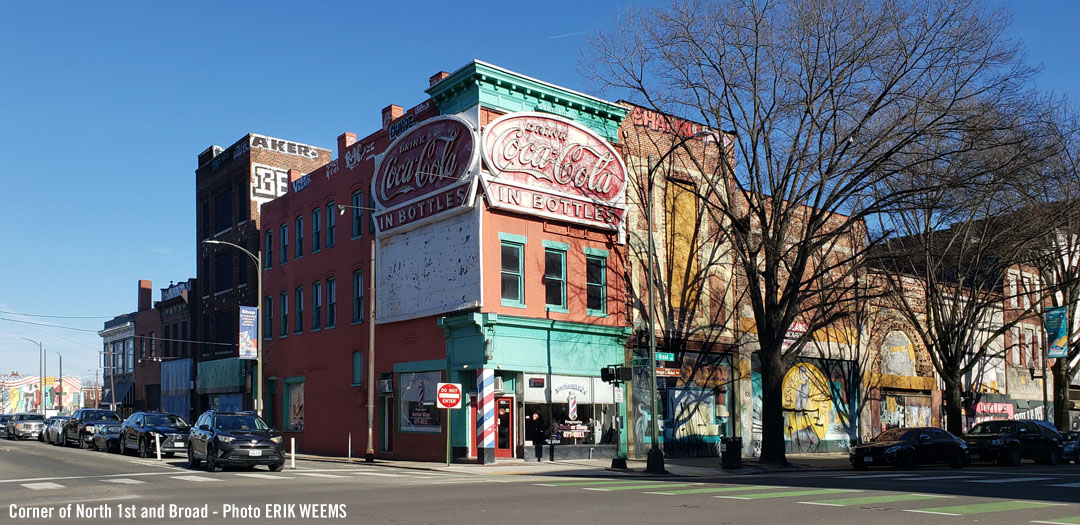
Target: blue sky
(105,105)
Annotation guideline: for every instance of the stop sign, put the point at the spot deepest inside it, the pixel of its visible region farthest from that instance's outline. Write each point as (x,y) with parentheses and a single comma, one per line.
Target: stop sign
(448,395)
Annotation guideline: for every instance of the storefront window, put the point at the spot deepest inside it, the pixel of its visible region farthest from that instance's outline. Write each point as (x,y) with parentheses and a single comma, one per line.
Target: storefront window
(417,406)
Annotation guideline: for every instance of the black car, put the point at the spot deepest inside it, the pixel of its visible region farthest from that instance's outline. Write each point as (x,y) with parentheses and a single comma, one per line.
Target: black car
(80,428)
(24,425)
(1071,451)
(1009,441)
(234,438)
(144,431)
(909,448)
(3,423)
(54,431)
(106,437)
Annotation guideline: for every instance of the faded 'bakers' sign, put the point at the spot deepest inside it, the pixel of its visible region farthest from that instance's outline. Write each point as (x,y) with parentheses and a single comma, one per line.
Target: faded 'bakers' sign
(545,165)
(425,172)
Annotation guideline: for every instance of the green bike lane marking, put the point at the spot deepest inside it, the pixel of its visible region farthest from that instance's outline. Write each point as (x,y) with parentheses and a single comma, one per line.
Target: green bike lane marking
(646,486)
(789,493)
(707,490)
(1061,521)
(869,500)
(979,508)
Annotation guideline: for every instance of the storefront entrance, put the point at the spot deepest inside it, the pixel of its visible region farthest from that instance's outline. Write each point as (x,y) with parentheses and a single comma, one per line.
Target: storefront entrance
(504,427)
(387,425)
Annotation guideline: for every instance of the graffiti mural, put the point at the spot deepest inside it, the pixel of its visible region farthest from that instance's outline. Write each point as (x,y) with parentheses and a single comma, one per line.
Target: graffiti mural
(20,394)
(815,396)
(905,411)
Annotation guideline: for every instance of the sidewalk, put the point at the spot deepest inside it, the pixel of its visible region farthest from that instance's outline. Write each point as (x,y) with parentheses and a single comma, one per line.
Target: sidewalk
(686,467)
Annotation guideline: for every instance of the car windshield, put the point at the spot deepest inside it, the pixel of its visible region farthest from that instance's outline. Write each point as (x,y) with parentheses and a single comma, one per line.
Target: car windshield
(1070,436)
(239,423)
(31,417)
(165,420)
(993,427)
(895,434)
(100,416)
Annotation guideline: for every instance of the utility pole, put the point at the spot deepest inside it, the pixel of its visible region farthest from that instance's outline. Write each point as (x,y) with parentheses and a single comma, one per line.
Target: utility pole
(60,386)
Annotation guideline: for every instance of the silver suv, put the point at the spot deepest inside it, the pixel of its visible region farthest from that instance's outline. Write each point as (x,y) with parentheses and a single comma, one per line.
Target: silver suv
(25,425)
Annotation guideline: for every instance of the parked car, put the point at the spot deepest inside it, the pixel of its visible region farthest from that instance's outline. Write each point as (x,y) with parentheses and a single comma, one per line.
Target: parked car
(25,425)
(909,448)
(3,423)
(106,436)
(1071,450)
(80,428)
(139,431)
(54,431)
(234,438)
(48,421)
(1009,441)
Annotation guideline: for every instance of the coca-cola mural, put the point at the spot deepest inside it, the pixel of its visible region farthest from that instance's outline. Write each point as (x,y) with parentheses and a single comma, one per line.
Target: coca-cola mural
(425,173)
(545,165)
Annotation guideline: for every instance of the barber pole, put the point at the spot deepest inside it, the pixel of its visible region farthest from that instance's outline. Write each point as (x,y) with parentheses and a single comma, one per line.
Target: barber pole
(487,408)
(573,407)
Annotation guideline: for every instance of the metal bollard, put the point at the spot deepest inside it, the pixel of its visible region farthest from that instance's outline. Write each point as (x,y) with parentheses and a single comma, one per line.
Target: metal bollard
(292,453)
(157,445)
(350,446)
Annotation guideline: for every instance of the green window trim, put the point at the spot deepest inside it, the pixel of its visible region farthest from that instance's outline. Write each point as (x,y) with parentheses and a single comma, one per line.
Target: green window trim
(358,368)
(556,245)
(597,252)
(559,280)
(285,402)
(510,237)
(601,285)
(518,273)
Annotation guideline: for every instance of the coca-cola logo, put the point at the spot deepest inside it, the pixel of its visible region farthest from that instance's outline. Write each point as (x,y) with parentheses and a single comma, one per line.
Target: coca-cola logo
(432,156)
(536,149)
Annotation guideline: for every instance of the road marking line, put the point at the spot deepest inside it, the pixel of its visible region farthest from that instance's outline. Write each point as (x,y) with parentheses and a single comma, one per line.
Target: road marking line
(932,478)
(319,475)
(194,478)
(787,494)
(124,481)
(42,486)
(594,482)
(263,476)
(1062,521)
(637,487)
(873,476)
(979,508)
(384,474)
(1006,480)
(707,490)
(931,512)
(869,500)
(1067,485)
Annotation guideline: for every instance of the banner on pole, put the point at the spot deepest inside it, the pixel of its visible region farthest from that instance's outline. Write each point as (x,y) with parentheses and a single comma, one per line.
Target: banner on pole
(1057,332)
(249,315)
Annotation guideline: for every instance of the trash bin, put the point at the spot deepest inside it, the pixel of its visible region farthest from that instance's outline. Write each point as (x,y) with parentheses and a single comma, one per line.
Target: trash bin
(731,452)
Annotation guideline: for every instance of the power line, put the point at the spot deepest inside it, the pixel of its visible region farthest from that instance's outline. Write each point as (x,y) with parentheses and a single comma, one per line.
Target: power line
(49,325)
(59,316)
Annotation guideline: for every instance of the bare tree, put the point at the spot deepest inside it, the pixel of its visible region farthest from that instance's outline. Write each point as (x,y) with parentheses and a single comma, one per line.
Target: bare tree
(825,99)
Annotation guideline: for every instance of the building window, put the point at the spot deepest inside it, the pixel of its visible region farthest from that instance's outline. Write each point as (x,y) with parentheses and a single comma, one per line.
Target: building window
(284,315)
(153,344)
(357,214)
(358,368)
(268,318)
(513,293)
(358,297)
(184,339)
(223,271)
(371,216)
(555,276)
(299,237)
(223,211)
(596,285)
(168,342)
(1029,345)
(142,347)
(316,305)
(331,225)
(284,244)
(299,299)
(268,257)
(294,404)
(331,302)
(316,230)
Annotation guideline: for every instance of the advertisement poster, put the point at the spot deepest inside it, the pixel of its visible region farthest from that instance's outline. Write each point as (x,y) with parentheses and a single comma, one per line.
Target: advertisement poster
(1057,333)
(248,317)
(418,410)
(296,407)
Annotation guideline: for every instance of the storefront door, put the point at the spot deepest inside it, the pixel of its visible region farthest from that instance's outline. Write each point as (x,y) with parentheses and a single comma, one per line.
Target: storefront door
(387,425)
(504,427)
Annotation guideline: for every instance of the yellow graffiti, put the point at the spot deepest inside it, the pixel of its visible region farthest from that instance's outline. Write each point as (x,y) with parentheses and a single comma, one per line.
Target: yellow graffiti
(806,400)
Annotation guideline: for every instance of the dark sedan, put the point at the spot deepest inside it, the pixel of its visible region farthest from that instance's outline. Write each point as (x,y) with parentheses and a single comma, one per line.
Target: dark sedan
(1009,441)
(909,448)
(106,437)
(144,432)
(235,438)
(1071,451)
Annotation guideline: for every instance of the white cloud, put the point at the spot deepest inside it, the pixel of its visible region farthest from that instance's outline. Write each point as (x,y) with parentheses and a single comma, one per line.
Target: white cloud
(161,250)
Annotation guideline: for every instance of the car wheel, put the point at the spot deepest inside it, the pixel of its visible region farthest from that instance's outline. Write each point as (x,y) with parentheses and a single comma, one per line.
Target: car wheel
(957,461)
(1011,457)
(909,462)
(276,467)
(82,442)
(144,448)
(191,461)
(211,463)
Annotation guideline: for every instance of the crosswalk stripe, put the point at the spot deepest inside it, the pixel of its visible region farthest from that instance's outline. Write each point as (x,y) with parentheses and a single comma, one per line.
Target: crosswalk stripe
(873,476)
(1006,480)
(194,478)
(384,474)
(318,475)
(979,508)
(707,490)
(934,478)
(788,494)
(638,487)
(1061,521)
(593,482)
(1067,485)
(869,500)
(263,476)
(124,481)
(42,486)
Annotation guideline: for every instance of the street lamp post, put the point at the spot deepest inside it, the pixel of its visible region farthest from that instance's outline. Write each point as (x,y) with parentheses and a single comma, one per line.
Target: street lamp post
(369,453)
(256,392)
(655,462)
(41,371)
(60,386)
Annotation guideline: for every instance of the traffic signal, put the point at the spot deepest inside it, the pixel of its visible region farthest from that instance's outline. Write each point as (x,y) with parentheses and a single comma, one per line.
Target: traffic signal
(616,374)
(607,374)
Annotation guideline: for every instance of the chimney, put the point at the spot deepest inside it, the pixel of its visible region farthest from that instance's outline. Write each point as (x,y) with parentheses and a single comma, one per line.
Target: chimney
(146,295)
(295,174)
(437,77)
(344,141)
(391,113)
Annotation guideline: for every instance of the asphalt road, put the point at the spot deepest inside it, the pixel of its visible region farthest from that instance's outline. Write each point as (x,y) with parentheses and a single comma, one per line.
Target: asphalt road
(45,484)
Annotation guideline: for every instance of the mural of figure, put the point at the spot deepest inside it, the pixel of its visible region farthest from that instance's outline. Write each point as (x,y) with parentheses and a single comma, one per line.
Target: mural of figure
(640,429)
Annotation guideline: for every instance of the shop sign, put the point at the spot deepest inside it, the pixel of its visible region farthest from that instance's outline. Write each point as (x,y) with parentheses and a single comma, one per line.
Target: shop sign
(668,372)
(545,165)
(425,173)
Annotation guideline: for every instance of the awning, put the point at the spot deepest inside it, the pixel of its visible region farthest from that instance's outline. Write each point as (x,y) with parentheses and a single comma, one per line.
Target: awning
(122,389)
